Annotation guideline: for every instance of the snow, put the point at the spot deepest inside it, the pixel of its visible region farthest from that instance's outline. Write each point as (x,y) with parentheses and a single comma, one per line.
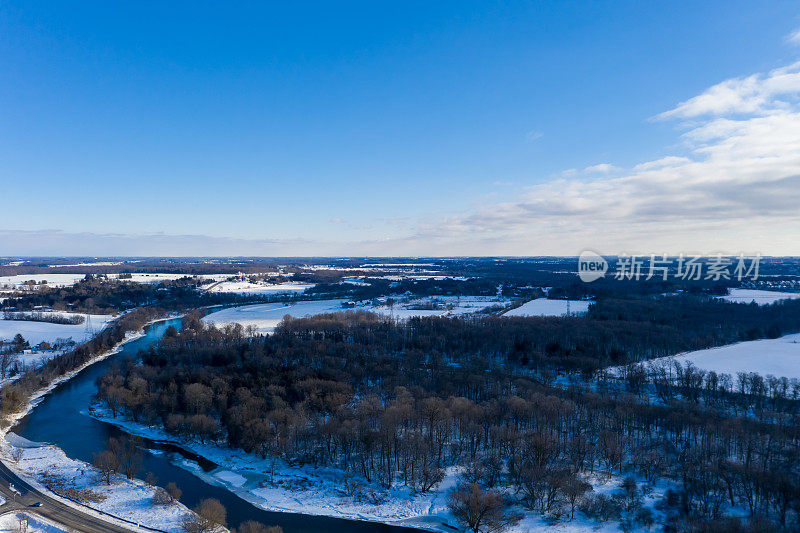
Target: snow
(444,306)
(151,278)
(128,499)
(424,277)
(231,478)
(779,357)
(124,498)
(53,280)
(67,280)
(36,524)
(545,307)
(31,359)
(39,395)
(758,296)
(303,489)
(245,287)
(36,332)
(96,263)
(266,317)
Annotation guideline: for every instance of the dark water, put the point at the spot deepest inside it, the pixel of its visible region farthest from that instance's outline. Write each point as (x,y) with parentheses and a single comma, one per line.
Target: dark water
(58,420)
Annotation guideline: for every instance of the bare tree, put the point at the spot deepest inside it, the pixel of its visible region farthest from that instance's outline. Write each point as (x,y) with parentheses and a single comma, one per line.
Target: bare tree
(481,511)
(209,516)
(7,359)
(129,456)
(107,463)
(174,491)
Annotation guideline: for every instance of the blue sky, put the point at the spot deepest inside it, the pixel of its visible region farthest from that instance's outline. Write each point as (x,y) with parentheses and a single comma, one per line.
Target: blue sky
(374,128)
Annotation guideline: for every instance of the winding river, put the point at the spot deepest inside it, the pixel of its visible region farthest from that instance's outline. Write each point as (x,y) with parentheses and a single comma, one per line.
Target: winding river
(60,419)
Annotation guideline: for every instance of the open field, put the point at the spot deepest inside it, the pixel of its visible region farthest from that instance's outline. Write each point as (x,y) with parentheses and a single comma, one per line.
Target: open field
(760,297)
(545,307)
(778,357)
(266,317)
(36,332)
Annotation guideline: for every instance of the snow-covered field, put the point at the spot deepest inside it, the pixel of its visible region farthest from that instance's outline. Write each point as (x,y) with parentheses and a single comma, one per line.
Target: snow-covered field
(36,332)
(758,296)
(442,306)
(11,522)
(779,357)
(67,280)
(245,287)
(266,317)
(53,280)
(128,499)
(545,307)
(150,278)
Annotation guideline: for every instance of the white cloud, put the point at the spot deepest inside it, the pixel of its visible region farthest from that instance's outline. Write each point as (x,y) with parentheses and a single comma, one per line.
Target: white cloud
(758,93)
(603,168)
(794,37)
(736,190)
(533,135)
(668,161)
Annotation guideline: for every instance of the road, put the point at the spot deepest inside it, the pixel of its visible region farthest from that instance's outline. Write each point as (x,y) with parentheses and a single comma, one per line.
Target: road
(56,511)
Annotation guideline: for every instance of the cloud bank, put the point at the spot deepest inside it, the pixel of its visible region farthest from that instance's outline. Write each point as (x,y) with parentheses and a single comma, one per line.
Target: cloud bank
(736,189)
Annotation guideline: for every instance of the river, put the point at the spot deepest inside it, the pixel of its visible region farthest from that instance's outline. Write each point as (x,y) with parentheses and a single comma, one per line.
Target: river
(61,419)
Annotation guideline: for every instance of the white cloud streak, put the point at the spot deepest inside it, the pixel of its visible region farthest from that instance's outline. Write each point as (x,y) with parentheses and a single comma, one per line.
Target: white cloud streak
(773,92)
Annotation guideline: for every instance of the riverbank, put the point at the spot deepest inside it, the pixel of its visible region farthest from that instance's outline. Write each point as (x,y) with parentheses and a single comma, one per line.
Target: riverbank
(124,499)
(39,395)
(320,491)
(303,489)
(44,465)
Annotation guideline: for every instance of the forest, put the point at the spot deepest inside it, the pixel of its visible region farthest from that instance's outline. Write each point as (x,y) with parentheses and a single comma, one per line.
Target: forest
(522,406)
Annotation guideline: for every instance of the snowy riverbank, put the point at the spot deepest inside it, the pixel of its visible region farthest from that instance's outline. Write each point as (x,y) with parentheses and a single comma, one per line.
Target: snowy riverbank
(320,491)
(43,465)
(123,498)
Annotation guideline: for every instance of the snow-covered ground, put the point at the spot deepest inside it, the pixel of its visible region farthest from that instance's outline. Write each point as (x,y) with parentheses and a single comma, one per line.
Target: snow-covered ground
(129,499)
(319,491)
(441,306)
(11,522)
(123,498)
(67,280)
(545,307)
(424,277)
(28,360)
(758,296)
(245,287)
(36,332)
(779,357)
(151,278)
(266,317)
(53,280)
